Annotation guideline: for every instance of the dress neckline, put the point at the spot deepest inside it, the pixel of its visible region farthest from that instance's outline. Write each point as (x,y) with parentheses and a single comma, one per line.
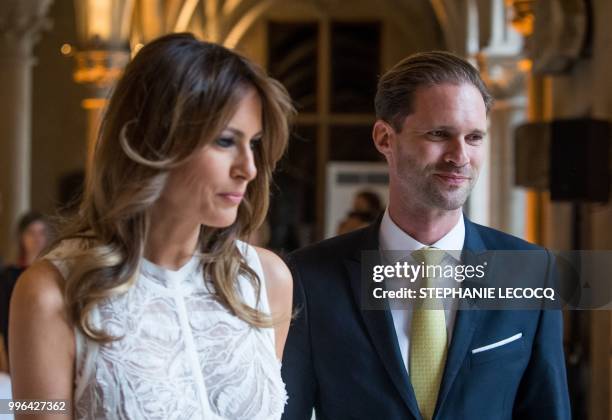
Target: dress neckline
(167,276)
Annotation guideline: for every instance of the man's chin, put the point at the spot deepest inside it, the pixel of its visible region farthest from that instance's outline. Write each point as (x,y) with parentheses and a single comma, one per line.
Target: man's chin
(452,202)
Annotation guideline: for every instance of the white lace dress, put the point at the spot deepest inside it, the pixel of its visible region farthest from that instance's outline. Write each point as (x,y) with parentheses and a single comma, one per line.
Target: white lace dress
(182,356)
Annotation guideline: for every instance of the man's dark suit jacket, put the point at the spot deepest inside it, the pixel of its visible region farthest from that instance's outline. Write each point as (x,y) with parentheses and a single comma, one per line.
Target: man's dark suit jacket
(345,361)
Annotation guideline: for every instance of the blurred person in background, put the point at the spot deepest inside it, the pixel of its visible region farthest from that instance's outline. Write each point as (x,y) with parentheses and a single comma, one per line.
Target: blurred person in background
(368,202)
(367,206)
(1,256)
(33,235)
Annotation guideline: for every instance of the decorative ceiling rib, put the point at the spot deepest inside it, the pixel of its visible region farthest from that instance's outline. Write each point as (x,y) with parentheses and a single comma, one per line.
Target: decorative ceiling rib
(227,21)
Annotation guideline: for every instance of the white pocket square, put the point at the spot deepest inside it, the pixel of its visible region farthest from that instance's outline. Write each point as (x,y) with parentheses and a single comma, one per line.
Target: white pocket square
(497,343)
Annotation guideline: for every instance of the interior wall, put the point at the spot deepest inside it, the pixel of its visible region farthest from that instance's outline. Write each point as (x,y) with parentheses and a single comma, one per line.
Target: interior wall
(601,97)
(58,121)
(587,91)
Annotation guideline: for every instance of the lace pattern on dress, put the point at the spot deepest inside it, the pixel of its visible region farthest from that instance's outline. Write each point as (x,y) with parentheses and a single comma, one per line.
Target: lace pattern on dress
(182,354)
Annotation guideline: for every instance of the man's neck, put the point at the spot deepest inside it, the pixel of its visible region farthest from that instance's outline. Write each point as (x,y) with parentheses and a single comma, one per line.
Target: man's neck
(426,226)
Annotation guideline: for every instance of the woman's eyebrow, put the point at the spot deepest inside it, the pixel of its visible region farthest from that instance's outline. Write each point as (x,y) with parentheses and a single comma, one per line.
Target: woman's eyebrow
(234,131)
(240,133)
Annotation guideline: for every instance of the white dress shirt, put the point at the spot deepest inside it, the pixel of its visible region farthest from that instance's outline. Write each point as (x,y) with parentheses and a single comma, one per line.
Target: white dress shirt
(392,238)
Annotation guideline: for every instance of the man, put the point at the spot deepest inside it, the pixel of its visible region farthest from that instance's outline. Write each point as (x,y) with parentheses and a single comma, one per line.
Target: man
(351,362)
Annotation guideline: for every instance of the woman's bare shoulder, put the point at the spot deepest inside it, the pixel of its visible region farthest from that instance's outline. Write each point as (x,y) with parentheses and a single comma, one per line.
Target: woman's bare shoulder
(41,337)
(278,276)
(40,287)
(279,286)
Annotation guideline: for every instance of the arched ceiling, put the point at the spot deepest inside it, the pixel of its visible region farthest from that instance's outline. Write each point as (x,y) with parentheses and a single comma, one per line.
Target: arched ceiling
(227,21)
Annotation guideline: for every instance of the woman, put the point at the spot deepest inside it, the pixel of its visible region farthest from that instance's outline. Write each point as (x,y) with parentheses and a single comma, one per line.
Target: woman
(32,238)
(149,306)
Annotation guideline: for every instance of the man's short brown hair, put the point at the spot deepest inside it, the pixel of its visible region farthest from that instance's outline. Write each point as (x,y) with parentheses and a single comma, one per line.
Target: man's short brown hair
(396,88)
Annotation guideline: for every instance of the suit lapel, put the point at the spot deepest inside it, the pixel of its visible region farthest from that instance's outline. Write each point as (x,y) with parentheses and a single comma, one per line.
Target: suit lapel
(467,320)
(379,325)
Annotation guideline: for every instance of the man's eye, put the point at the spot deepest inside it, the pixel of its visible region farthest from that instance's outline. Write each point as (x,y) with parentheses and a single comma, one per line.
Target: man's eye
(225,141)
(475,138)
(437,133)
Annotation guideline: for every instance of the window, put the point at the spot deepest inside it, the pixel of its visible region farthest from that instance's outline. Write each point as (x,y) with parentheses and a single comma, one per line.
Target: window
(330,69)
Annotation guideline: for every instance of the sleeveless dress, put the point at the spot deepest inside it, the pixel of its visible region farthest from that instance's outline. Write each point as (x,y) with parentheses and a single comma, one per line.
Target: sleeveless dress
(182,354)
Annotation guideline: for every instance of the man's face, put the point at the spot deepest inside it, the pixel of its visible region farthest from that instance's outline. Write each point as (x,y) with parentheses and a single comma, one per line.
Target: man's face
(435,159)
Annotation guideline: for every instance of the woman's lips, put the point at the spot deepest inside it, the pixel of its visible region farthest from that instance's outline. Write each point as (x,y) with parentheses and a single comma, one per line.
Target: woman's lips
(234,198)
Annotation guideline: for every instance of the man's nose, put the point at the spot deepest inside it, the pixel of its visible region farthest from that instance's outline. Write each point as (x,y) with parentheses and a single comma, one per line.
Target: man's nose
(456,153)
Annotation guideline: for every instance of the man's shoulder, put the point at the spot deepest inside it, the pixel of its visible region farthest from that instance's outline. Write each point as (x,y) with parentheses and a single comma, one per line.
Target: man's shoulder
(494,239)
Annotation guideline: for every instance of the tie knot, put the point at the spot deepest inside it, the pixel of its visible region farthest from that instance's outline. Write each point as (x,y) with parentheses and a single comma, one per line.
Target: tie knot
(430,255)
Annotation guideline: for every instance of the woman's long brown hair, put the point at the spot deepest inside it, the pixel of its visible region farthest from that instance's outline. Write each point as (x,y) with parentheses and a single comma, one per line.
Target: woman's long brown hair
(176,96)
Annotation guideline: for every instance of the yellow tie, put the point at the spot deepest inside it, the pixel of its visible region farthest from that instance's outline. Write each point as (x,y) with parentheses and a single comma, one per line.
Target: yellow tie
(428,342)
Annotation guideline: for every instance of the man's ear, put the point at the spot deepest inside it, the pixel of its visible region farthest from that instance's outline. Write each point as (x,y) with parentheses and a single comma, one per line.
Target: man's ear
(382,133)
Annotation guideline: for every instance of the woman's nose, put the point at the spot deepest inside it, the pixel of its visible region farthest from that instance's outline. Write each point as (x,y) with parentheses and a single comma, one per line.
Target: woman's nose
(245,165)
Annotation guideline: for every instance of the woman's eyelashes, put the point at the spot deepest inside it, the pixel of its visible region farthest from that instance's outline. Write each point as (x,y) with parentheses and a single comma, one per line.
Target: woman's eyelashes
(229,141)
(255,142)
(226,141)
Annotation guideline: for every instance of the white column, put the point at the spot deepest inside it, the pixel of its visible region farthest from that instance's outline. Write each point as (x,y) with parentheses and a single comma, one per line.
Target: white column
(496,201)
(22,21)
(506,201)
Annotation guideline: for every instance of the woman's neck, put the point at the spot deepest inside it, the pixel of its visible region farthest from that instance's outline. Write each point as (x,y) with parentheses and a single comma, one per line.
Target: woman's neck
(171,240)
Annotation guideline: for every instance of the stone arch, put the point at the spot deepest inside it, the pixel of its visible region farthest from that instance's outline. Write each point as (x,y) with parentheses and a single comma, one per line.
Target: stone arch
(452,17)
(244,23)
(242,15)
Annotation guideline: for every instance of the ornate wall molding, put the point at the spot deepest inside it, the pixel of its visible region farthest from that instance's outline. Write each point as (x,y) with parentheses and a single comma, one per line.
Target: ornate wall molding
(21,23)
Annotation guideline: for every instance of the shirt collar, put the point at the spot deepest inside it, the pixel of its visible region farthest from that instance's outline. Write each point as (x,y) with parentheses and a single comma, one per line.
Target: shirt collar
(393,238)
